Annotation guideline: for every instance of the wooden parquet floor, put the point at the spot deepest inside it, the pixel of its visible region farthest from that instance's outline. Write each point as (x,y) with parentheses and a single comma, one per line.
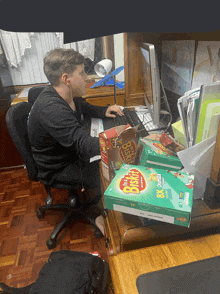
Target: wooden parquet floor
(23,236)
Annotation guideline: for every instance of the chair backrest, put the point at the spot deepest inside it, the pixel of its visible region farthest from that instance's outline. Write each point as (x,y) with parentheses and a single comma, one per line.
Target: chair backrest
(34,92)
(16,121)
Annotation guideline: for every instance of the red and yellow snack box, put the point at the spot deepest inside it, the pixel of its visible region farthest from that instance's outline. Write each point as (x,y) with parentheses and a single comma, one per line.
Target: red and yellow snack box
(117,146)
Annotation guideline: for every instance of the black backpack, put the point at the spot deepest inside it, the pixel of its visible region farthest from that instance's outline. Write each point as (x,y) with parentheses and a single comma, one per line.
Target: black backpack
(68,272)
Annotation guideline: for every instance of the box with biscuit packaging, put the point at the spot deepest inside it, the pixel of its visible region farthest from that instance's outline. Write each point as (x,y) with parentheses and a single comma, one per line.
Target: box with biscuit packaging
(151,153)
(118,145)
(158,194)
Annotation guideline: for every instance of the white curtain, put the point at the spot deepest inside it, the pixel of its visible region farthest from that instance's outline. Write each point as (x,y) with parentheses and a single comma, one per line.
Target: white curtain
(15,45)
(25,52)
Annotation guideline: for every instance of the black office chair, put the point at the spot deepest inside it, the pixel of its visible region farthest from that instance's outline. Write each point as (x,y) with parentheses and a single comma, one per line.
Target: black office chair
(34,92)
(16,120)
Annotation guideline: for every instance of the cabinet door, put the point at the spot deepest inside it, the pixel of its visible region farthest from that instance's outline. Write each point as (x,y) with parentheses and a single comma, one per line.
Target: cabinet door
(9,156)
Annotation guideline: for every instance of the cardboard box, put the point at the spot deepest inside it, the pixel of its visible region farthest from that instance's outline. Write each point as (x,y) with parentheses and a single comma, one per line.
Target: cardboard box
(169,142)
(151,153)
(117,146)
(179,132)
(157,194)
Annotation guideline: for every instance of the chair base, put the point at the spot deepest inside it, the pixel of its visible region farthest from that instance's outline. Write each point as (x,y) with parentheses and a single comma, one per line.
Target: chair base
(72,208)
(52,242)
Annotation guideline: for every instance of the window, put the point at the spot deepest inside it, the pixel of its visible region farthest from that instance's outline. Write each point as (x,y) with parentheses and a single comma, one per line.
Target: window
(98,56)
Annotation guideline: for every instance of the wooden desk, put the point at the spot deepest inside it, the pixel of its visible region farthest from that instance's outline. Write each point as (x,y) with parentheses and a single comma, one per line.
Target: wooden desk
(126,232)
(98,96)
(125,267)
(18,98)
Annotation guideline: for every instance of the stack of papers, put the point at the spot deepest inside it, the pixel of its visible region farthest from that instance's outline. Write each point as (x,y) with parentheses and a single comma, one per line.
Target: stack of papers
(208,112)
(188,110)
(199,111)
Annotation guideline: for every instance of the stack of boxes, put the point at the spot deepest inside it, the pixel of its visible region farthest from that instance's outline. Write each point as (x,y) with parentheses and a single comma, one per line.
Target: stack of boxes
(151,185)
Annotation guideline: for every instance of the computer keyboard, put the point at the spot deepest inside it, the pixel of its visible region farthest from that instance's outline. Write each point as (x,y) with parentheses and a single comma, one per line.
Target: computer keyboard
(141,119)
(148,123)
(130,117)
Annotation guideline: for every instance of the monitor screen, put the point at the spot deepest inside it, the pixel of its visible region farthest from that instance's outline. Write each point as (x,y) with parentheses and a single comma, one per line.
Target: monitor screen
(151,80)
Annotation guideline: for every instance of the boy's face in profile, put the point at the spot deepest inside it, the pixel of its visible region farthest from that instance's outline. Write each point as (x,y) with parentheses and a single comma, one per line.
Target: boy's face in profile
(78,80)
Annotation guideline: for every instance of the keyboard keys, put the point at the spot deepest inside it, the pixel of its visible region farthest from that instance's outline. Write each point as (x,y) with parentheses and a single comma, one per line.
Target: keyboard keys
(129,117)
(133,118)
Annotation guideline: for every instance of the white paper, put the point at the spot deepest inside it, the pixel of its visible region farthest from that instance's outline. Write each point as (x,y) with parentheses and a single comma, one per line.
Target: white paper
(197,160)
(203,162)
(190,156)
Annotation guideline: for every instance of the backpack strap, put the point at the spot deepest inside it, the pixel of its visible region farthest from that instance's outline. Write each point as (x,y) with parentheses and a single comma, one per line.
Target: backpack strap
(100,277)
(11,290)
(105,277)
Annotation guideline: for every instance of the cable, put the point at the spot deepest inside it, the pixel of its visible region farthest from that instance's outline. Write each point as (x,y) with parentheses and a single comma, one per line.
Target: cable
(166,112)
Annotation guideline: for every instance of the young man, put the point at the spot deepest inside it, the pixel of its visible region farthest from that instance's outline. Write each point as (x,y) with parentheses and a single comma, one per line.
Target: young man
(61,144)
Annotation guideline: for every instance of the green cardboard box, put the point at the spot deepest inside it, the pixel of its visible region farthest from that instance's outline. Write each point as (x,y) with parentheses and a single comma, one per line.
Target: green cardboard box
(157,194)
(152,153)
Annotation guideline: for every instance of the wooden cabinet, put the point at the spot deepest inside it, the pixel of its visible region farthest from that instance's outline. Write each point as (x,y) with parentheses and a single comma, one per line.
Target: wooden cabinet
(9,155)
(133,69)
(104,96)
(108,100)
(112,237)
(126,232)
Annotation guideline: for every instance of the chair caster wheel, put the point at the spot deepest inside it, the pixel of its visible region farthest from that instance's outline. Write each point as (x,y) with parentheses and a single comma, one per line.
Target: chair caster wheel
(40,214)
(51,243)
(98,234)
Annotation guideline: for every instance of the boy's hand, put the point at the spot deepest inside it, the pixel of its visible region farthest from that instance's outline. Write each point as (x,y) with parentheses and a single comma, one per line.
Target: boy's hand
(113,108)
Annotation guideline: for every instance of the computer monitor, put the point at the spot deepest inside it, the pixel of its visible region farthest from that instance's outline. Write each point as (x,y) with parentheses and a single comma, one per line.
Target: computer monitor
(151,81)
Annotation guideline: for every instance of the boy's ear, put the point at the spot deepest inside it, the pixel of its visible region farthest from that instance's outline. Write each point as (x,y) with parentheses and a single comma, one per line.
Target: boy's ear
(65,79)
